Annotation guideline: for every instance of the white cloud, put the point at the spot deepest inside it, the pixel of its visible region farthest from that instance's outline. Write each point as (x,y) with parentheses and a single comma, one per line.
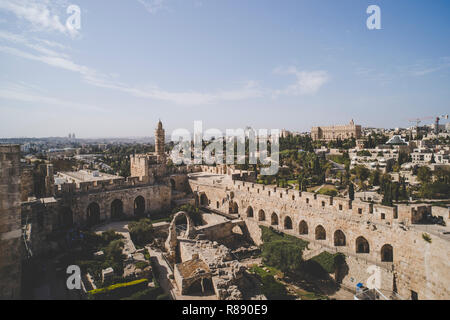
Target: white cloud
(307,82)
(91,76)
(41,14)
(28,94)
(153,6)
(47,52)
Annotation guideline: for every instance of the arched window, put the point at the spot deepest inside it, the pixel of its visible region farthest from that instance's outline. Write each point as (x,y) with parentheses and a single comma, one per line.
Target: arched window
(287,223)
(204,200)
(303,227)
(249,212)
(274,219)
(362,245)
(139,206)
(172,184)
(387,253)
(339,238)
(261,215)
(320,233)
(93,214)
(116,209)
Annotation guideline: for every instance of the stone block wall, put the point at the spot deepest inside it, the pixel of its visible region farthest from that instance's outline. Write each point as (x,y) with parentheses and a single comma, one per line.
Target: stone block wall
(10,222)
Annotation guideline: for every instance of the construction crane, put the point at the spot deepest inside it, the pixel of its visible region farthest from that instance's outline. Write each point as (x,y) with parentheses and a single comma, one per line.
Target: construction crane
(436,126)
(417,121)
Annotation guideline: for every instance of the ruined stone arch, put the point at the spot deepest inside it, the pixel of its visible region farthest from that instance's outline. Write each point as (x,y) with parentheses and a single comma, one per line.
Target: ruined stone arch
(139,206)
(172,240)
(339,238)
(320,233)
(303,227)
(362,245)
(93,214)
(287,223)
(387,253)
(274,219)
(261,215)
(249,212)
(117,209)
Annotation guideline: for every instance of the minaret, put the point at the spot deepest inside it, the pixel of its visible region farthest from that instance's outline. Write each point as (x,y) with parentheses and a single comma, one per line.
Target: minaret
(160,142)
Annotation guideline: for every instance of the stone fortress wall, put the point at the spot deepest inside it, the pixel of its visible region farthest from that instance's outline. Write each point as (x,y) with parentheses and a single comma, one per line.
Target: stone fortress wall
(368,234)
(10,222)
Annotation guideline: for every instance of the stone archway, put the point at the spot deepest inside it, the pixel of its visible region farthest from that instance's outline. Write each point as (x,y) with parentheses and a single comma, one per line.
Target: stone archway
(387,253)
(287,223)
(261,215)
(139,206)
(362,245)
(117,210)
(274,219)
(204,202)
(321,234)
(303,227)
(172,240)
(233,207)
(65,217)
(250,212)
(173,185)
(339,238)
(93,214)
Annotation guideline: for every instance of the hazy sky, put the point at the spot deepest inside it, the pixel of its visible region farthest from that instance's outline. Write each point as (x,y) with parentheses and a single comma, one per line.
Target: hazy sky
(230,63)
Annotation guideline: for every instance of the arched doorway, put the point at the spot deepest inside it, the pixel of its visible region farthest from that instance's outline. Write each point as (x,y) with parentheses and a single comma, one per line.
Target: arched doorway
(117,210)
(320,233)
(204,200)
(274,219)
(249,212)
(261,215)
(339,238)
(233,208)
(287,223)
(139,206)
(93,214)
(387,253)
(303,227)
(172,184)
(65,218)
(362,245)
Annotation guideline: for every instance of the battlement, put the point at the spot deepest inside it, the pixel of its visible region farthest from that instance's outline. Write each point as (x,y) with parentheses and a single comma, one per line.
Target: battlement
(322,203)
(102,185)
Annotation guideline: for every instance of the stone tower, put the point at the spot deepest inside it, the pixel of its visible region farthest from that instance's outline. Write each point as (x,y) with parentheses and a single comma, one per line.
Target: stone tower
(10,222)
(160,142)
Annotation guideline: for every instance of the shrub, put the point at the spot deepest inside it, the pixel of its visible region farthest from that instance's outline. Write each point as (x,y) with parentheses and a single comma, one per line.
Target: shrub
(141,265)
(141,232)
(147,294)
(426,237)
(118,291)
(273,289)
(282,254)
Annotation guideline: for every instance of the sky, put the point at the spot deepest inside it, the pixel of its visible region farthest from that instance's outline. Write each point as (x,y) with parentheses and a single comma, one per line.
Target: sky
(271,64)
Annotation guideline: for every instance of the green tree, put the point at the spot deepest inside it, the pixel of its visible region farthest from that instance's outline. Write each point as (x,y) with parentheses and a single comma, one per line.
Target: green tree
(424,174)
(351,191)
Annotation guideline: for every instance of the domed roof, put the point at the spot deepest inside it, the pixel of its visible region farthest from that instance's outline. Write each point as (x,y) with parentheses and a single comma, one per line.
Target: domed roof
(396,140)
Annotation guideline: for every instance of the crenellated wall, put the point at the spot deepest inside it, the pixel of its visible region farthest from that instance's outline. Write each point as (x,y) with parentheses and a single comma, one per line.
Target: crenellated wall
(417,265)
